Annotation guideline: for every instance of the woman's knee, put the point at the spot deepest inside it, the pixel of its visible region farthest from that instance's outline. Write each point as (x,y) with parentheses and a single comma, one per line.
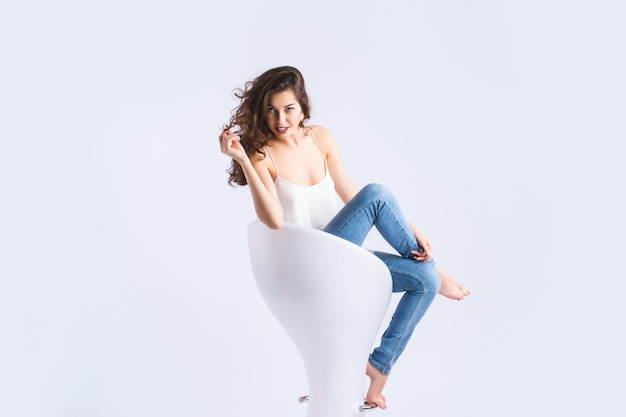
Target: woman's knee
(427,277)
(415,277)
(376,188)
(433,279)
(377,191)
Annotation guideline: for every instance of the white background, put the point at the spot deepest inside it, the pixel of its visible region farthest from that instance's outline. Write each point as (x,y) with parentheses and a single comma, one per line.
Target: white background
(125,284)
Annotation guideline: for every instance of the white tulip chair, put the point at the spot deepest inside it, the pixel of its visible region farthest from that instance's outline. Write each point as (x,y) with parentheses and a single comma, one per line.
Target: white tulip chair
(330,296)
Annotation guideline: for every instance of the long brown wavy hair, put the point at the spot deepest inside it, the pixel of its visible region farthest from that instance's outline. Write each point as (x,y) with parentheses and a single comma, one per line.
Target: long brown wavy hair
(249,116)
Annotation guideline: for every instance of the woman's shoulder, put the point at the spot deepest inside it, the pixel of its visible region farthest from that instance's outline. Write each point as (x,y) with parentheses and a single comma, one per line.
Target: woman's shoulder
(324,137)
(322,134)
(318,130)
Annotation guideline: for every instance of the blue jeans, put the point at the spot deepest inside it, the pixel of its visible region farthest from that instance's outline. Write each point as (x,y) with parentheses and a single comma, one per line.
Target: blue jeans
(376,206)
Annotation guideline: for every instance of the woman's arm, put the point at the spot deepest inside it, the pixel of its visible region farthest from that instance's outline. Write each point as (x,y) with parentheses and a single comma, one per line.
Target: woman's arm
(343,183)
(260,182)
(424,243)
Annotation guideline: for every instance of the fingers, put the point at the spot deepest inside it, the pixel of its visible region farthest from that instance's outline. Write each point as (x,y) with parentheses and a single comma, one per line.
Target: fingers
(425,245)
(429,247)
(227,141)
(225,135)
(420,256)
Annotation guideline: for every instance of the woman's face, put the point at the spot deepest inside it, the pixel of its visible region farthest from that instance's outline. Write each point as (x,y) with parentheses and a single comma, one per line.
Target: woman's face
(283,114)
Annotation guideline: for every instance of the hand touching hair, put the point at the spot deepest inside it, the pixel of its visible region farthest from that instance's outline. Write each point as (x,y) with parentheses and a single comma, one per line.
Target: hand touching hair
(249,116)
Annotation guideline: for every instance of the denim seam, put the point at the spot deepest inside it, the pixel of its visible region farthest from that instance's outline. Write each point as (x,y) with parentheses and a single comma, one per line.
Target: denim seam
(419,302)
(339,230)
(387,207)
(407,236)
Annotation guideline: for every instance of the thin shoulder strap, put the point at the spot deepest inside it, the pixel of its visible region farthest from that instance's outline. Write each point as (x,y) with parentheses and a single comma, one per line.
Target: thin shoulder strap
(267,149)
(319,146)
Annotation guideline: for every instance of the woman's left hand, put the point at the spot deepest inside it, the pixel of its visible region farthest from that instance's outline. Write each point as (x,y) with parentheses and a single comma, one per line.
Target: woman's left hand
(424,243)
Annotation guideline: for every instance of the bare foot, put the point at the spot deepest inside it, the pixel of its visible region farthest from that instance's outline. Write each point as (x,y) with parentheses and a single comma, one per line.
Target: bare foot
(377,383)
(449,287)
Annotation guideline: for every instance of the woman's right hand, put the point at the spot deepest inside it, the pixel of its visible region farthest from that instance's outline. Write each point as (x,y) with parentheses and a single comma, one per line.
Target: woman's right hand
(230,145)
(259,181)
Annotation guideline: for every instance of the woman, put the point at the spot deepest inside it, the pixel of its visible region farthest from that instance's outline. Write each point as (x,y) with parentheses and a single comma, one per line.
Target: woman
(295,174)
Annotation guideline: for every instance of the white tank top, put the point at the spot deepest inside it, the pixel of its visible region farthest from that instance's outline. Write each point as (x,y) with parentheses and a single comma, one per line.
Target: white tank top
(312,206)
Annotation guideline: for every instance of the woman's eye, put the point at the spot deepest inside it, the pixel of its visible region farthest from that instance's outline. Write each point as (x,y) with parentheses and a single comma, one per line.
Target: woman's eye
(270,109)
(289,108)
